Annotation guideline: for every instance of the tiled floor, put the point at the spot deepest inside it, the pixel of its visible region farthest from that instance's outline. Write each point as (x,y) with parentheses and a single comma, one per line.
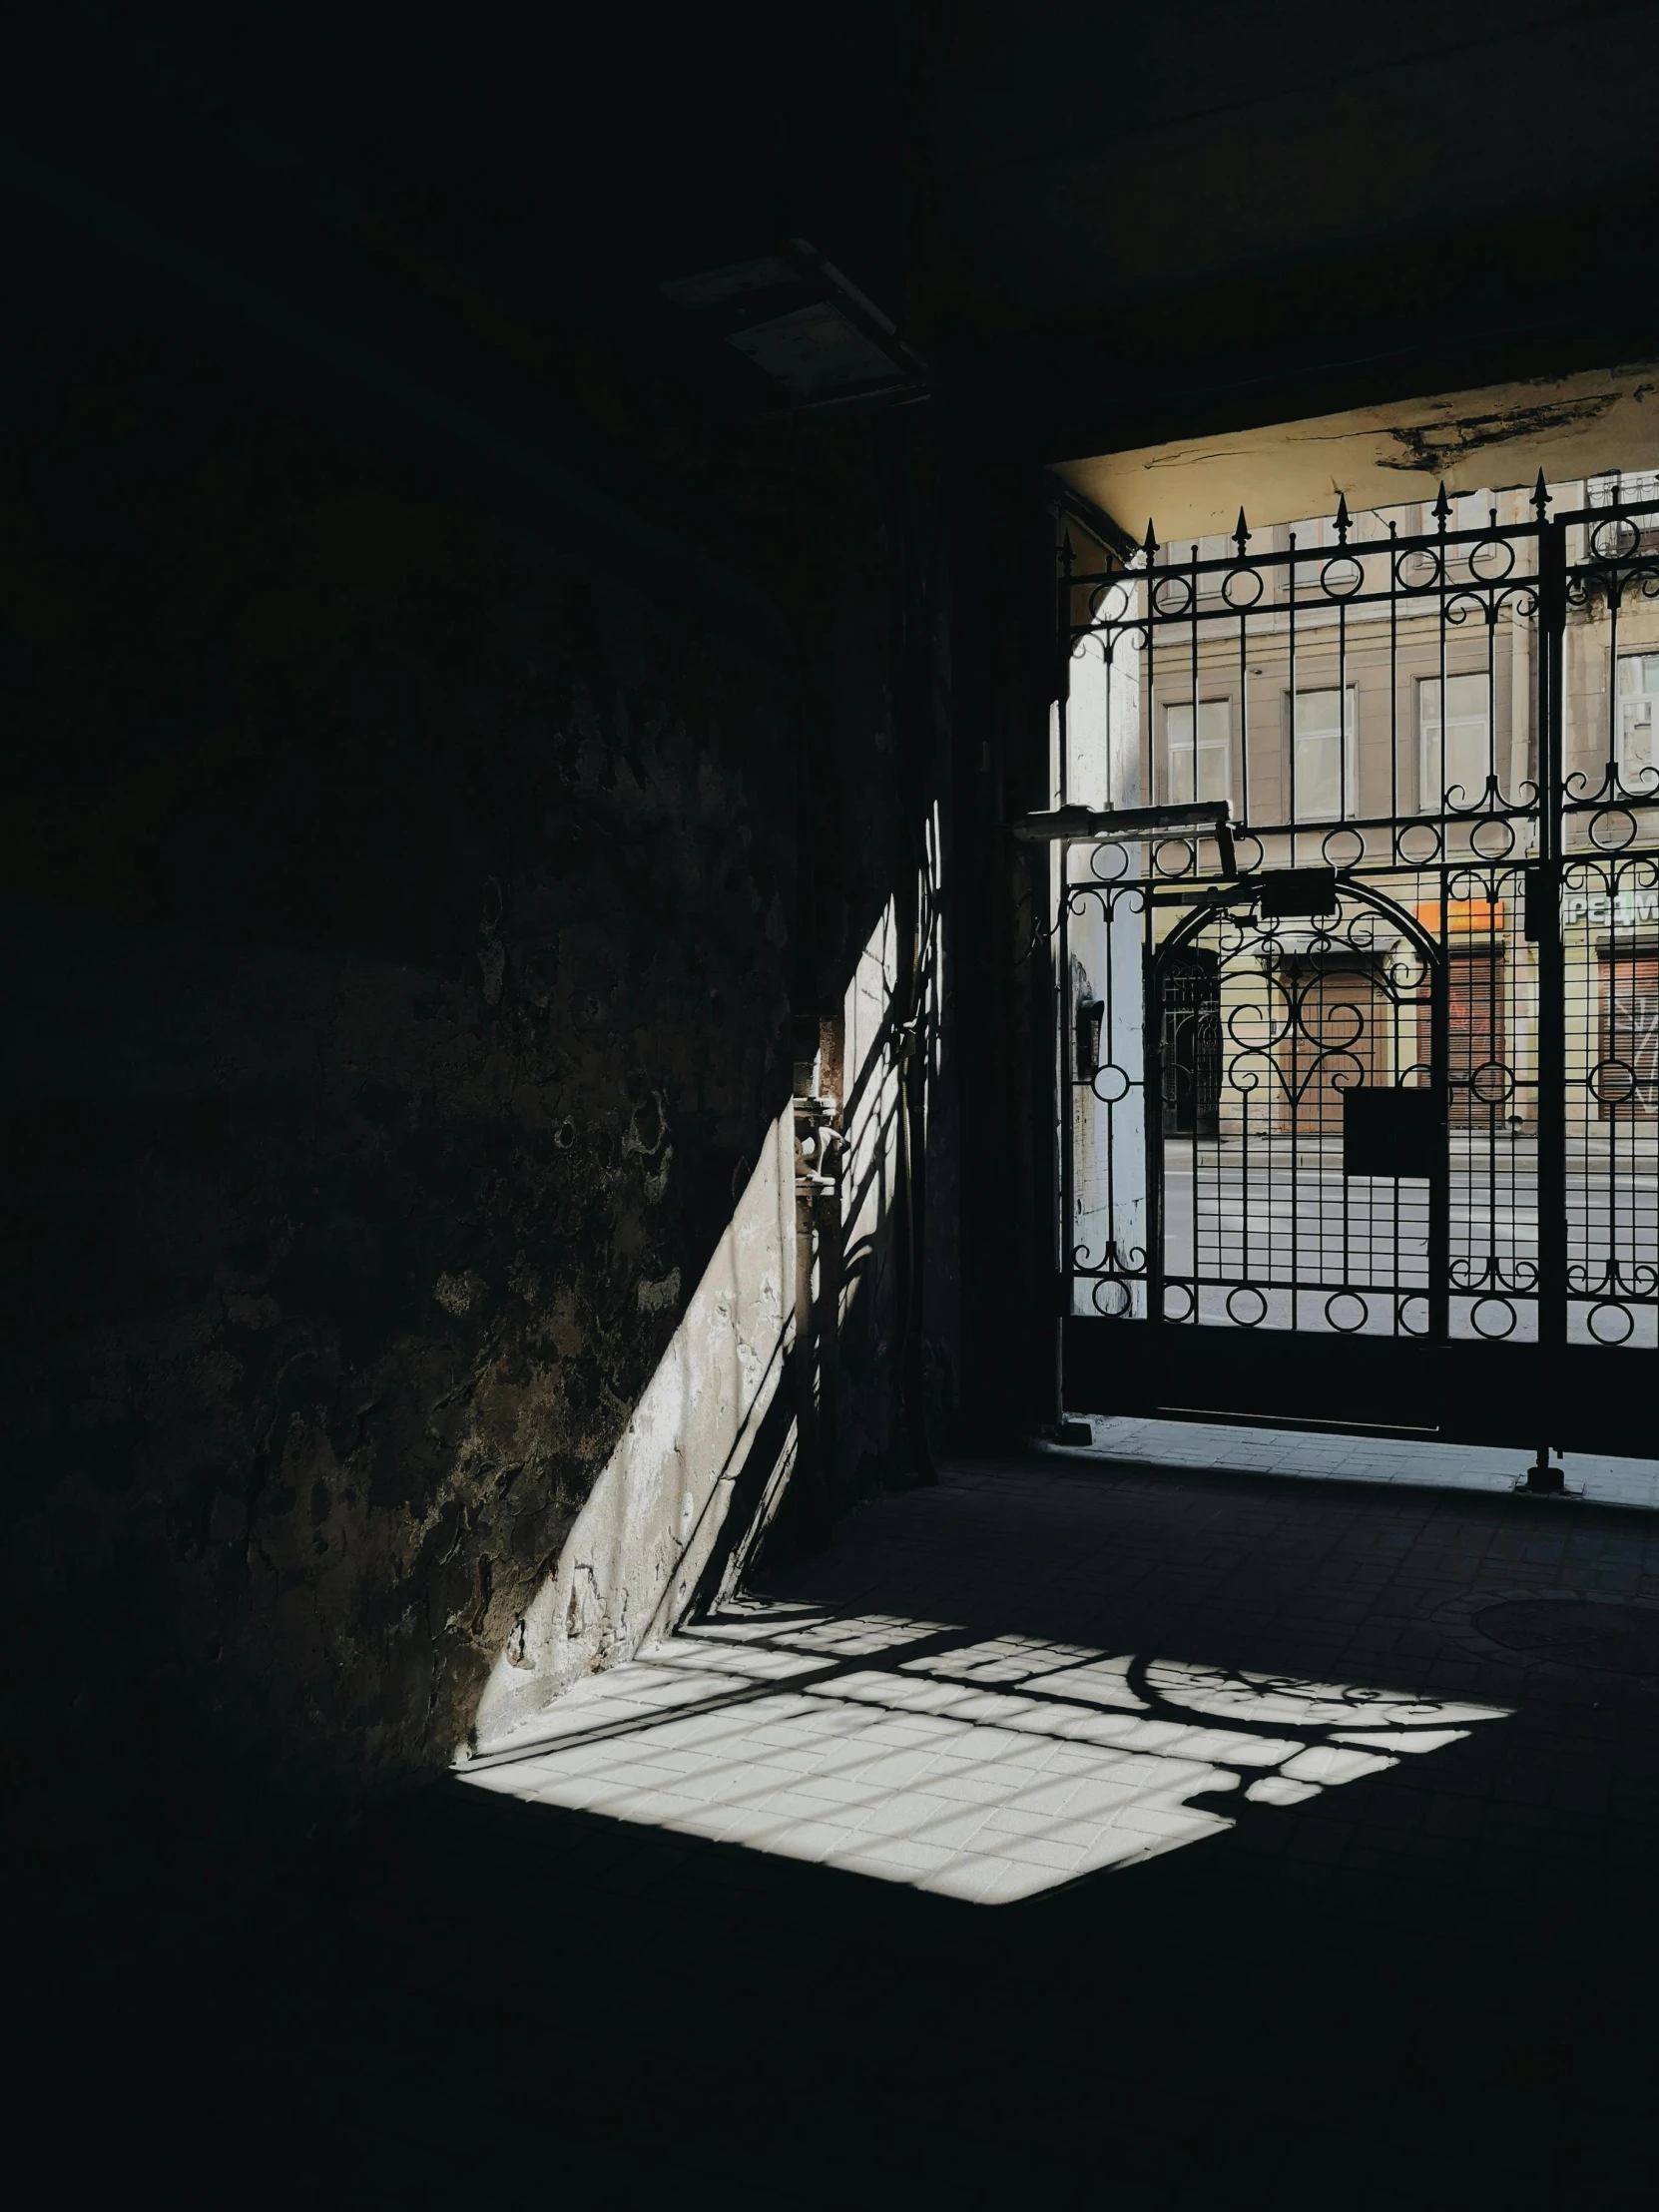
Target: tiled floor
(1376,1974)
(1348,1458)
(986,1768)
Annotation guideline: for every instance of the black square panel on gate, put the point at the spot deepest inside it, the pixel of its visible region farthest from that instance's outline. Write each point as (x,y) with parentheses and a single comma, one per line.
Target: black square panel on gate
(1286,893)
(1391,1132)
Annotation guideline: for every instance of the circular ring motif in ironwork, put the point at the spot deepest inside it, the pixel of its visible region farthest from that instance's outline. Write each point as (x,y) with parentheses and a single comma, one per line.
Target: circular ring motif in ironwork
(1111,1300)
(1108,863)
(1616,539)
(1491,560)
(1109,1083)
(1172,594)
(1500,1321)
(1493,838)
(1612,1082)
(1347,1311)
(1492,1083)
(1341,576)
(1410,1326)
(1418,845)
(1173,856)
(1239,1305)
(1174,1293)
(1610,1323)
(1248,851)
(1242,588)
(1342,847)
(1418,569)
(1111,603)
(1612,829)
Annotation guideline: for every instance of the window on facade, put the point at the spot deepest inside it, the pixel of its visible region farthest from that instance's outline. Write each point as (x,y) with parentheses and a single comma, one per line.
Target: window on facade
(1326,755)
(1319,546)
(1627,1082)
(1198,764)
(1458,718)
(1213,549)
(1629,488)
(1639,720)
(1469,510)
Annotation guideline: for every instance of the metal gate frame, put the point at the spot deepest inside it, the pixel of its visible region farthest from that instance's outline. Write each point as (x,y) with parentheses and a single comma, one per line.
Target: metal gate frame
(1578,834)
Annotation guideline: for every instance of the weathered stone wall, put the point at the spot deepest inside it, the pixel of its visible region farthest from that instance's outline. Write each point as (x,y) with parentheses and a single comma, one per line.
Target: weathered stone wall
(404,933)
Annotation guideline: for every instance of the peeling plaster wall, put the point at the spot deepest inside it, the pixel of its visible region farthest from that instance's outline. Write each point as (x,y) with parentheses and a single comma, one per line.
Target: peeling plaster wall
(633,1564)
(403,934)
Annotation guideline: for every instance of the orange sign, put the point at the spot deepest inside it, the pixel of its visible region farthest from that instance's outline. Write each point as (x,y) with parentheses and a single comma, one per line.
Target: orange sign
(1465,917)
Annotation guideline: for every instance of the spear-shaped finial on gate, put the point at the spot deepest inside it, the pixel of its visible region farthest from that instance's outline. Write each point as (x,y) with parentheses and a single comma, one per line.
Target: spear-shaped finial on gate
(1442,509)
(1151,545)
(1540,496)
(1241,536)
(1342,518)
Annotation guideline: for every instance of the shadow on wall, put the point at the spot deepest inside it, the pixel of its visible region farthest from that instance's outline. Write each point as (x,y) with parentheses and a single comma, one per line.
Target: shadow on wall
(699,1473)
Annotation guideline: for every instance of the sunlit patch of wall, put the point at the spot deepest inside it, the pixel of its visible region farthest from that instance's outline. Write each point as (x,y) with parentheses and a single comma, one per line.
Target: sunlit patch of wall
(634,1561)
(864,1318)
(694,1486)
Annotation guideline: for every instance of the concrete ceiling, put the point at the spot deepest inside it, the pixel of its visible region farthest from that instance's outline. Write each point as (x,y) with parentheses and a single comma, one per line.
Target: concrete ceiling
(1082,158)
(1570,427)
(1108,229)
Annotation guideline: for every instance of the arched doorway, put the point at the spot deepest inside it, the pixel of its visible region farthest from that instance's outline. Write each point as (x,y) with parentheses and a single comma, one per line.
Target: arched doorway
(1311,1193)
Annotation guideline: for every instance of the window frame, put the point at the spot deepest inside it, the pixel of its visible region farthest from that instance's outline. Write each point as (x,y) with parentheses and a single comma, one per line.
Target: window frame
(1621,660)
(1430,800)
(1349,736)
(1223,745)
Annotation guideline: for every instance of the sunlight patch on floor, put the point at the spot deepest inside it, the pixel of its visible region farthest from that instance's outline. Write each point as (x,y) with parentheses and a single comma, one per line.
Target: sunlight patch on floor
(982,1769)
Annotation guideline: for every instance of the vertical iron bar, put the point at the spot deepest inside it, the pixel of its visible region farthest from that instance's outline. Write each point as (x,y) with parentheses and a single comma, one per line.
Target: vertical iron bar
(1055,861)
(1244,720)
(1346,1200)
(1394,688)
(1066,1053)
(1292,1014)
(1552,1008)
(1439,1183)
(1290,650)
(1152,1045)
(1153,1016)
(1192,656)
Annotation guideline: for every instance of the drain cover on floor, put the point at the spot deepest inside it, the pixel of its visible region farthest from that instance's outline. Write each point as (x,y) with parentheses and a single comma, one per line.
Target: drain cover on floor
(1582,1631)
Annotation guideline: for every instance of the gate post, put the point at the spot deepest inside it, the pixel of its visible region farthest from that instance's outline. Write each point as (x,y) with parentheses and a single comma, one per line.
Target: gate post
(1544,928)
(1152,1077)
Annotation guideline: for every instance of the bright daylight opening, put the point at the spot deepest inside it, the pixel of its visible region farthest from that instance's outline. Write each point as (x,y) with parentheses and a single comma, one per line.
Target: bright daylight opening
(1387,1064)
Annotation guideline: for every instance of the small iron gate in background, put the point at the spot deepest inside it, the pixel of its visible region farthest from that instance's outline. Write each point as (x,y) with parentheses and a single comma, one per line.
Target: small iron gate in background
(1361,1121)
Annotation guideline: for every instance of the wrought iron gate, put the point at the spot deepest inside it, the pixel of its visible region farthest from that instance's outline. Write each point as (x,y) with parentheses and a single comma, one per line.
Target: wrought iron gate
(1360,1105)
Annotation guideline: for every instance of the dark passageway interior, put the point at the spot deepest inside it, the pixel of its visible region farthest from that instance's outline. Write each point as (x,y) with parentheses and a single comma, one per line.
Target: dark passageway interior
(753,772)
(1425,1980)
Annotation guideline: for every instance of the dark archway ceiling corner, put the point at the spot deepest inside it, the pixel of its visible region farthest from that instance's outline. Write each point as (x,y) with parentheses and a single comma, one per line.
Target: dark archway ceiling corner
(1103,229)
